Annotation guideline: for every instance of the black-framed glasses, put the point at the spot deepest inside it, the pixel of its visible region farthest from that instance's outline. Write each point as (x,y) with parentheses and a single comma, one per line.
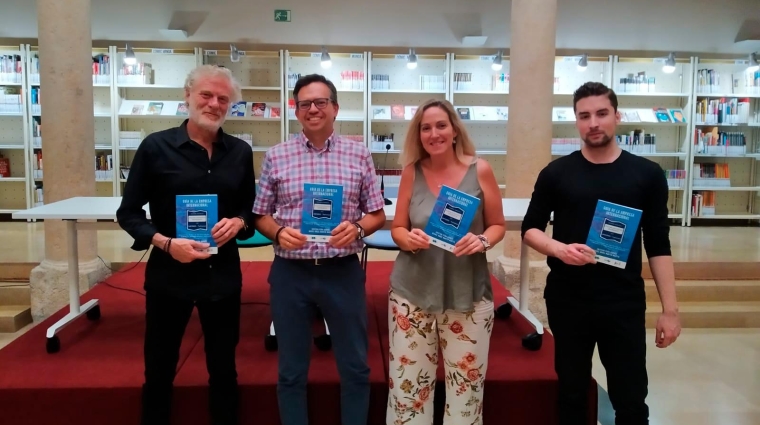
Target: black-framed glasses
(320,103)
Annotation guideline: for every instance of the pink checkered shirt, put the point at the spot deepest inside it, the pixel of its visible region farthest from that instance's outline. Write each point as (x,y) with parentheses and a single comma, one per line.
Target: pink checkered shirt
(287,166)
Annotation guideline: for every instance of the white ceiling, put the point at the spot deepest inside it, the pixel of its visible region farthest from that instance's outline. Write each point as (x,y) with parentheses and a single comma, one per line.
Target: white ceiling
(694,26)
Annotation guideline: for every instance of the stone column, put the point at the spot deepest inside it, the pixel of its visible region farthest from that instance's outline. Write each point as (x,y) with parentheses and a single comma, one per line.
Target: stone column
(68,145)
(531,81)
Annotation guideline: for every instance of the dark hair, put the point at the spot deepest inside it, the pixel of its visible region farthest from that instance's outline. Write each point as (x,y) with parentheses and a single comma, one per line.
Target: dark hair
(592,88)
(315,78)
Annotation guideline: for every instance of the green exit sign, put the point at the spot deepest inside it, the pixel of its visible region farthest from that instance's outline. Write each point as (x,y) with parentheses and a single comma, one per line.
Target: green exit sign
(281,15)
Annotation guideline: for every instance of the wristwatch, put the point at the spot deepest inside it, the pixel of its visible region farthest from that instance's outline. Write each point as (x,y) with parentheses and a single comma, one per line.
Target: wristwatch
(484,241)
(360,231)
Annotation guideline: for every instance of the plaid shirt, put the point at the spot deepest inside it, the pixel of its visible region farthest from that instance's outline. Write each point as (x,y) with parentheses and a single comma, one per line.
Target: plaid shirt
(287,166)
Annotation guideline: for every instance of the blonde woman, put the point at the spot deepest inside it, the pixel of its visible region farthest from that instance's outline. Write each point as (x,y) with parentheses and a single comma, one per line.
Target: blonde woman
(439,298)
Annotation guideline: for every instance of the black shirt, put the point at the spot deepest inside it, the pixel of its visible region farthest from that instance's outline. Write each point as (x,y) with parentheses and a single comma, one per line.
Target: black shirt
(166,164)
(570,187)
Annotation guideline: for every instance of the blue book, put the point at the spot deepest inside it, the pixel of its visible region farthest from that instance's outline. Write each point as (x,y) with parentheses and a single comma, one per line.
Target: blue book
(196,216)
(612,232)
(451,217)
(322,210)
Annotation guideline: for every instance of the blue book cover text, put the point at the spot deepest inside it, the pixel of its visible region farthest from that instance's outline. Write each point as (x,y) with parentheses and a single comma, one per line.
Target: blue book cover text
(451,217)
(613,230)
(322,210)
(196,216)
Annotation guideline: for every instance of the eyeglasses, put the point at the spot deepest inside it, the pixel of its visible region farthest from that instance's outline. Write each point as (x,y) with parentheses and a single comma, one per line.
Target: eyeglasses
(320,103)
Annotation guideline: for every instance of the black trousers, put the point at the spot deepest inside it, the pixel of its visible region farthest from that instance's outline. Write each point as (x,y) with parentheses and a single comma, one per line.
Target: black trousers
(166,320)
(620,333)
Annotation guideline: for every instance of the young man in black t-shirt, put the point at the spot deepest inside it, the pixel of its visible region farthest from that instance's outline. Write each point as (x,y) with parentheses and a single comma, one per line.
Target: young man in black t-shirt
(590,302)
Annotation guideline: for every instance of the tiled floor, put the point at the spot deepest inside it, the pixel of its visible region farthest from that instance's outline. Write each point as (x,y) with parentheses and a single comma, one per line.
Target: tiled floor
(709,376)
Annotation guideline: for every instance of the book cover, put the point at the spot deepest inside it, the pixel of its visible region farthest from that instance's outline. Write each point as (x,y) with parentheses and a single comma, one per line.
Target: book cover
(258,109)
(612,232)
(397,112)
(155,108)
(322,210)
(238,109)
(451,217)
(196,216)
(182,109)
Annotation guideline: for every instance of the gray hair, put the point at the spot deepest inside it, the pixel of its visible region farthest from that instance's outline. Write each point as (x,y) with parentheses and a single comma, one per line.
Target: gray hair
(214,71)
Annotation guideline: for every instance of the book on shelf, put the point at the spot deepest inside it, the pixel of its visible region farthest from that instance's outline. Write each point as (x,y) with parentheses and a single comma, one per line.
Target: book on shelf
(612,232)
(711,175)
(322,210)
(238,109)
(703,204)
(196,215)
(381,112)
(155,108)
(712,141)
(397,112)
(5,166)
(637,83)
(451,217)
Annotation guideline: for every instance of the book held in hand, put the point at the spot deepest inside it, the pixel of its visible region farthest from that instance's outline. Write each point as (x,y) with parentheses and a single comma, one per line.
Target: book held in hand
(613,230)
(451,217)
(322,210)
(196,216)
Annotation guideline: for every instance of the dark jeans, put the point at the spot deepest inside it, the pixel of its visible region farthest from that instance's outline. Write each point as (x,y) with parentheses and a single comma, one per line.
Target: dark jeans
(620,333)
(296,288)
(166,320)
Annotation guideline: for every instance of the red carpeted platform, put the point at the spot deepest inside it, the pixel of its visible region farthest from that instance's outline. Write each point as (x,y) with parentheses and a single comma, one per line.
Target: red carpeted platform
(97,375)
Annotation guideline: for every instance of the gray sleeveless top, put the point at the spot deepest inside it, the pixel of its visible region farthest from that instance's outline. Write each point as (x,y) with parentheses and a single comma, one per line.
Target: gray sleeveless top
(435,279)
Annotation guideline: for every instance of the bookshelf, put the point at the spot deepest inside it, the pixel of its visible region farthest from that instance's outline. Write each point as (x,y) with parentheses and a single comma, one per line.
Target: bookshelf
(370,84)
(726,141)
(260,118)
(148,97)
(656,106)
(13,130)
(348,72)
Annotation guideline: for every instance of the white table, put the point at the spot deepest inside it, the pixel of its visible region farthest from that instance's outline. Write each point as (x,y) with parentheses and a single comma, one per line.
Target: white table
(79,213)
(82,213)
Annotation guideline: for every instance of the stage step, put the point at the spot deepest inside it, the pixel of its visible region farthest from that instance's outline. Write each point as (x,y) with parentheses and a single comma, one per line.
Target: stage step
(15,293)
(15,302)
(14,317)
(711,314)
(710,290)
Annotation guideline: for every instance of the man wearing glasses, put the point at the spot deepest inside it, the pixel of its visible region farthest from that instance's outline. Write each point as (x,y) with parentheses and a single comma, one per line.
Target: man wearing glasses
(306,274)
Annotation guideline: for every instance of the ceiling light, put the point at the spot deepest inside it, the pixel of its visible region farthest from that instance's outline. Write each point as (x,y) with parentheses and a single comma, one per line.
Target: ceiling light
(753,63)
(670,63)
(583,62)
(412,61)
(326,62)
(234,53)
(129,56)
(496,65)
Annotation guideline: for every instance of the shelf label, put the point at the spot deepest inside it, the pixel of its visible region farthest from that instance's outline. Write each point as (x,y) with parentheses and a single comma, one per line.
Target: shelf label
(211,53)
(356,56)
(659,60)
(316,55)
(402,57)
(487,58)
(570,59)
(281,15)
(741,62)
(169,51)
(241,52)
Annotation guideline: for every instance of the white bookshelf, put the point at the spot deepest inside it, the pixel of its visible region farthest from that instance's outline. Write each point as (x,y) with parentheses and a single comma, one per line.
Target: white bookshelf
(370,84)
(725,87)
(13,134)
(348,72)
(263,120)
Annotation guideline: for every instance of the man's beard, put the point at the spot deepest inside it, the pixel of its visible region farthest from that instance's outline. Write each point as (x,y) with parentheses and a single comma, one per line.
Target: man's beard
(205,122)
(598,144)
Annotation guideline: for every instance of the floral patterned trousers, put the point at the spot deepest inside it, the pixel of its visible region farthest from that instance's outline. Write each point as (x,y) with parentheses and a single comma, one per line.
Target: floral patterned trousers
(414,339)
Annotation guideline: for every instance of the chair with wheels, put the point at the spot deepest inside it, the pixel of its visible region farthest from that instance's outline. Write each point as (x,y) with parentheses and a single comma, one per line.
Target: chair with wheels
(382,240)
(323,342)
